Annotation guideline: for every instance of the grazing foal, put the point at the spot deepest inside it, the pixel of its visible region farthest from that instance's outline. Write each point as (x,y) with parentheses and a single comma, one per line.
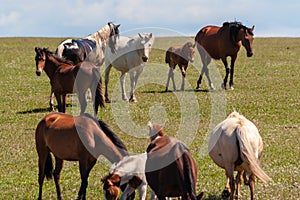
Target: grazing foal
(181,56)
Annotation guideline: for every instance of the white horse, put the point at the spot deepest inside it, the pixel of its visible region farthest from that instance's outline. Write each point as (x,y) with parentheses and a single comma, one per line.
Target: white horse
(131,171)
(130,56)
(236,145)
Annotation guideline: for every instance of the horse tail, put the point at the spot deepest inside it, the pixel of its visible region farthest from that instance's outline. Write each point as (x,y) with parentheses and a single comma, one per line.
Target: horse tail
(99,94)
(48,167)
(247,154)
(59,50)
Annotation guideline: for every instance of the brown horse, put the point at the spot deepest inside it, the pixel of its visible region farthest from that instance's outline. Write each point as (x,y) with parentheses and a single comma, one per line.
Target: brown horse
(67,78)
(170,168)
(235,145)
(181,56)
(71,138)
(219,43)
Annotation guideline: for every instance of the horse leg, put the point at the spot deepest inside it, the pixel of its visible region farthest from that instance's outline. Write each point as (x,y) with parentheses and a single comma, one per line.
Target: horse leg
(251,185)
(233,58)
(84,167)
(227,73)
(51,100)
(64,99)
(183,72)
(134,76)
(172,78)
(42,165)
(230,175)
(82,101)
(122,82)
(170,75)
(238,180)
(107,71)
(59,102)
(56,174)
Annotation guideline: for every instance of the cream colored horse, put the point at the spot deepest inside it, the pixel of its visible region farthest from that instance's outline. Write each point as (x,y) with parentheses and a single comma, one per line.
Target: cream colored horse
(236,145)
(130,56)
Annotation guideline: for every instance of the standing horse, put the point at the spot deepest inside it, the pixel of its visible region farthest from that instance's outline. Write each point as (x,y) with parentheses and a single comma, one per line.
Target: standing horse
(235,145)
(91,47)
(64,77)
(131,55)
(179,55)
(219,43)
(72,138)
(170,168)
(131,170)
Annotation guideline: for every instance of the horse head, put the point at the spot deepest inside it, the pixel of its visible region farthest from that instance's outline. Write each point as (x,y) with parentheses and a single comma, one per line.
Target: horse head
(189,51)
(111,184)
(145,44)
(155,131)
(114,34)
(248,40)
(40,59)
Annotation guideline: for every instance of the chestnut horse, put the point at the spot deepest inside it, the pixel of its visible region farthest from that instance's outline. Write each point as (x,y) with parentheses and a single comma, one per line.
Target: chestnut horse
(181,56)
(66,78)
(170,168)
(235,145)
(219,43)
(74,138)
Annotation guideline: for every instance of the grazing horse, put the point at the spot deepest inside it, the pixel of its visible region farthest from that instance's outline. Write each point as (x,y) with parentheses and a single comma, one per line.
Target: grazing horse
(131,55)
(131,170)
(181,56)
(170,168)
(92,47)
(219,43)
(67,78)
(74,138)
(235,145)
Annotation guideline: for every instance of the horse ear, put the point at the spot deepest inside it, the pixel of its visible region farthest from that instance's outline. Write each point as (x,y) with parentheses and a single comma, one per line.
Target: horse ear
(36,49)
(252,29)
(150,125)
(140,36)
(117,26)
(150,36)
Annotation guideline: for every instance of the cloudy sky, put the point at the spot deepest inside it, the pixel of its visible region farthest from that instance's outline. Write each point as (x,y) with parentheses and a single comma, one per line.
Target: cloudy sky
(76,18)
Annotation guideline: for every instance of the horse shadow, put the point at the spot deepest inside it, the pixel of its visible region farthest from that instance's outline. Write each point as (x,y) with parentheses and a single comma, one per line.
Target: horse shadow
(41,110)
(170,91)
(213,197)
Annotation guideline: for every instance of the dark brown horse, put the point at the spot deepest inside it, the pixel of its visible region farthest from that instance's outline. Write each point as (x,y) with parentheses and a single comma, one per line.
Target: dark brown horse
(219,43)
(66,78)
(170,168)
(80,138)
(181,56)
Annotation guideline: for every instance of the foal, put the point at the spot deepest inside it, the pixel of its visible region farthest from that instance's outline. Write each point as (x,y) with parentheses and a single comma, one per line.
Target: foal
(179,55)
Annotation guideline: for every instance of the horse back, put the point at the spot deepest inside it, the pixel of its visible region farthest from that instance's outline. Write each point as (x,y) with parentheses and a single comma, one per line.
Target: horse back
(174,56)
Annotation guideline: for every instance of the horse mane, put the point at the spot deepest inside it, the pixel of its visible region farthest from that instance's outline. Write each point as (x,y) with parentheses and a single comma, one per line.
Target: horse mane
(59,59)
(237,115)
(108,132)
(101,33)
(234,28)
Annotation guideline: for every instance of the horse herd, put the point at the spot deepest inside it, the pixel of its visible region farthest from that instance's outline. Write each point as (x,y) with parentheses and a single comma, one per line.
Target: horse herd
(167,166)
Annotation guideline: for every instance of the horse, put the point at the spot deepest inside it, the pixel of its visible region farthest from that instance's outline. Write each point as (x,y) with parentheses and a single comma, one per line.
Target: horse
(91,47)
(236,145)
(74,138)
(67,78)
(181,56)
(219,43)
(131,55)
(131,170)
(170,168)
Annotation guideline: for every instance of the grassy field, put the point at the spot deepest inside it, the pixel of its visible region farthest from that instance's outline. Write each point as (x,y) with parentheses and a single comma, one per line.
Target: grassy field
(266,92)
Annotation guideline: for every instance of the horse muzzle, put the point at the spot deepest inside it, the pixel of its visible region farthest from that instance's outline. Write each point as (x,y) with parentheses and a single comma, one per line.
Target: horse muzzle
(38,73)
(249,54)
(145,58)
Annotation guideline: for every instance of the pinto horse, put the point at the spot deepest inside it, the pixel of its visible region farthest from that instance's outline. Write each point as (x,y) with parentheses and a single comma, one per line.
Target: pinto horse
(219,43)
(67,78)
(181,56)
(235,145)
(131,56)
(131,170)
(74,138)
(170,168)
(92,47)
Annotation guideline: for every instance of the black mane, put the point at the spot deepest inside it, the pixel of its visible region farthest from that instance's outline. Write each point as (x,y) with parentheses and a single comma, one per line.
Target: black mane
(59,59)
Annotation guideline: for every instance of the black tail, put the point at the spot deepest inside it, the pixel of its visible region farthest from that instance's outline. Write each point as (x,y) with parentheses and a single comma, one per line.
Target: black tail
(48,167)
(99,96)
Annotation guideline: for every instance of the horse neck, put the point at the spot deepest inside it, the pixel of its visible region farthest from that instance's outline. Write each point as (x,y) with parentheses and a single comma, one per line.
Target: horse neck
(51,65)
(100,35)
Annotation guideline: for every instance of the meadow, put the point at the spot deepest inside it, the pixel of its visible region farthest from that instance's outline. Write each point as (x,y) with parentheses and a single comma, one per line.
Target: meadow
(266,92)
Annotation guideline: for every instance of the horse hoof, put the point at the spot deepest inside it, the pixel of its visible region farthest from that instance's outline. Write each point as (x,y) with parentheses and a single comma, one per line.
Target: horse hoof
(223,86)
(225,193)
(107,100)
(231,88)
(212,87)
(133,100)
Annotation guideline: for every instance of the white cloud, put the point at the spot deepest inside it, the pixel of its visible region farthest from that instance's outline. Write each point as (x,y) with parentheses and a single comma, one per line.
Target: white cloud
(9,19)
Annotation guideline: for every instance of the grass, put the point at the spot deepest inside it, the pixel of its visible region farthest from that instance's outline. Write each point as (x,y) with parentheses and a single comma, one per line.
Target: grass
(266,92)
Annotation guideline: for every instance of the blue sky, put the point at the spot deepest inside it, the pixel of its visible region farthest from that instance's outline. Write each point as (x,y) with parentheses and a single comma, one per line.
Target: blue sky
(76,18)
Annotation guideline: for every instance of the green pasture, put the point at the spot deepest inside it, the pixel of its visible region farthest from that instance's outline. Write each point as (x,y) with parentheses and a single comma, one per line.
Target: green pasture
(267,91)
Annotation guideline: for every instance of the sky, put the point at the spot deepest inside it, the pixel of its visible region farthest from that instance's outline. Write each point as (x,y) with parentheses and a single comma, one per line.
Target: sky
(78,18)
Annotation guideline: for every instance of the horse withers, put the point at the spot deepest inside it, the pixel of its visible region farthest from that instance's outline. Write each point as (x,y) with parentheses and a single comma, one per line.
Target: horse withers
(170,168)
(74,138)
(236,145)
(130,56)
(181,56)
(66,78)
(219,43)
(90,48)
